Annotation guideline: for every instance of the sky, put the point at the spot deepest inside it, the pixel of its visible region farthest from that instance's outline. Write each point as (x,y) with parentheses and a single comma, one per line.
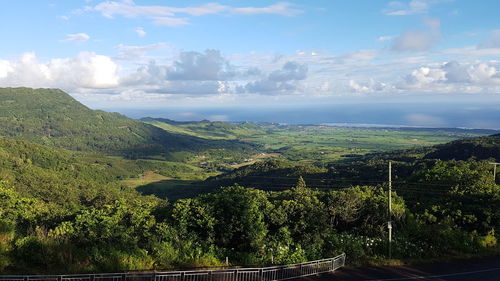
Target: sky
(412,62)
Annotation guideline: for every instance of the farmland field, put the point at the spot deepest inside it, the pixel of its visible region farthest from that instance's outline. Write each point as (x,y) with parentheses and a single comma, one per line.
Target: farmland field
(319,145)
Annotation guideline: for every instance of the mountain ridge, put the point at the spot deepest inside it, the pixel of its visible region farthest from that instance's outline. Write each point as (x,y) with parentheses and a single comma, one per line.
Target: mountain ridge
(52,117)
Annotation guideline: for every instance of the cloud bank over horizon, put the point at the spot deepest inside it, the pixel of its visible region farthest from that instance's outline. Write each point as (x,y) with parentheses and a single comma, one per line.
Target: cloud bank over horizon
(152,55)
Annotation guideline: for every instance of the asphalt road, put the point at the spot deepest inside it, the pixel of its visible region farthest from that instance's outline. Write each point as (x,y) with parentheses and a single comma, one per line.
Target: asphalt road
(484,269)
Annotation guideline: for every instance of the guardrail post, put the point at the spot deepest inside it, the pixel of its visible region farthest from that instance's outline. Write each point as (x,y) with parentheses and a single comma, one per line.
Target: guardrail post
(261,274)
(124,277)
(183,274)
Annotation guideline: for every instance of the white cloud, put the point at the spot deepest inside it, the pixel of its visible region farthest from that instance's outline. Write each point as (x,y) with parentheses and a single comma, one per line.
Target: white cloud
(169,15)
(484,74)
(413,7)
(370,87)
(76,37)
(421,77)
(384,38)
(413,40)
(280,81)
(137,52)
(192,74)
(418,40)
(210,65)
(361,55)
(133,95)
(140,31)
(210,76)
(282,8)
(453,77)
(87,70)
(5,68)
(471,52)
(456,72)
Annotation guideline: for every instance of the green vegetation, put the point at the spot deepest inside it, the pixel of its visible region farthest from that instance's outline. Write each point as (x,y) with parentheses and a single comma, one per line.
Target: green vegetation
(318,144)
(52,117)
(209,130)
(72,191)
(250,226)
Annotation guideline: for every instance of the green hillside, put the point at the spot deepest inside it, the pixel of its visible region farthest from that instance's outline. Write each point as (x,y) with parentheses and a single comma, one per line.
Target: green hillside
(478,148)
(64,180)
(77,211)
(52,117)
(359,169)
(209,130)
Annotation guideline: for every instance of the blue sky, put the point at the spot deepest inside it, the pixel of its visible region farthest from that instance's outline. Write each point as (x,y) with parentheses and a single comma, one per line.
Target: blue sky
(164,56)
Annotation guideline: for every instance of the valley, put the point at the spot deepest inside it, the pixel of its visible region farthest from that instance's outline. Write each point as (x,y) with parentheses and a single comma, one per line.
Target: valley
(77,185)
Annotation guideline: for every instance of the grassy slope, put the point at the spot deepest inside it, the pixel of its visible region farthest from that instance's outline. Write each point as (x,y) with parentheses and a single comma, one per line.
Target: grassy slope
(65,176)
(209,130)
(52,117)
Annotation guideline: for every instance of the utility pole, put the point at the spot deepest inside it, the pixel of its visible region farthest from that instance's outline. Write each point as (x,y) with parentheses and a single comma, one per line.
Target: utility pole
(389,222)
(495,171)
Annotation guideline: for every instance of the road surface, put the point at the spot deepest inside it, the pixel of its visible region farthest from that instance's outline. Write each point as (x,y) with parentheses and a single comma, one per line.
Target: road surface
(484,269)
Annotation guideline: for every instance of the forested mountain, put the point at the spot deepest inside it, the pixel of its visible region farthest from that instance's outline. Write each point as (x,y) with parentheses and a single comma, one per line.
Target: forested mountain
(478,148)
(52,117)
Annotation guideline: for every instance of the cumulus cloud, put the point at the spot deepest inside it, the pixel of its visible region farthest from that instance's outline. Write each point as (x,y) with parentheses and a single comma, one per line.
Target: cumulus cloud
(484,74)
(453,76)
(169,15)
(210,65)
(76,37)
(87,70)
(283,80)
(418,40)
(193,73)
(289,71)
(209,75)
(424,76)
(5,68)
(370,87)
(456,72)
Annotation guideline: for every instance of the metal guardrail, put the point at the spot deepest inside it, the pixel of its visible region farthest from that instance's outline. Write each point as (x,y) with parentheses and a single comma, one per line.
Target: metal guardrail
(273,273)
